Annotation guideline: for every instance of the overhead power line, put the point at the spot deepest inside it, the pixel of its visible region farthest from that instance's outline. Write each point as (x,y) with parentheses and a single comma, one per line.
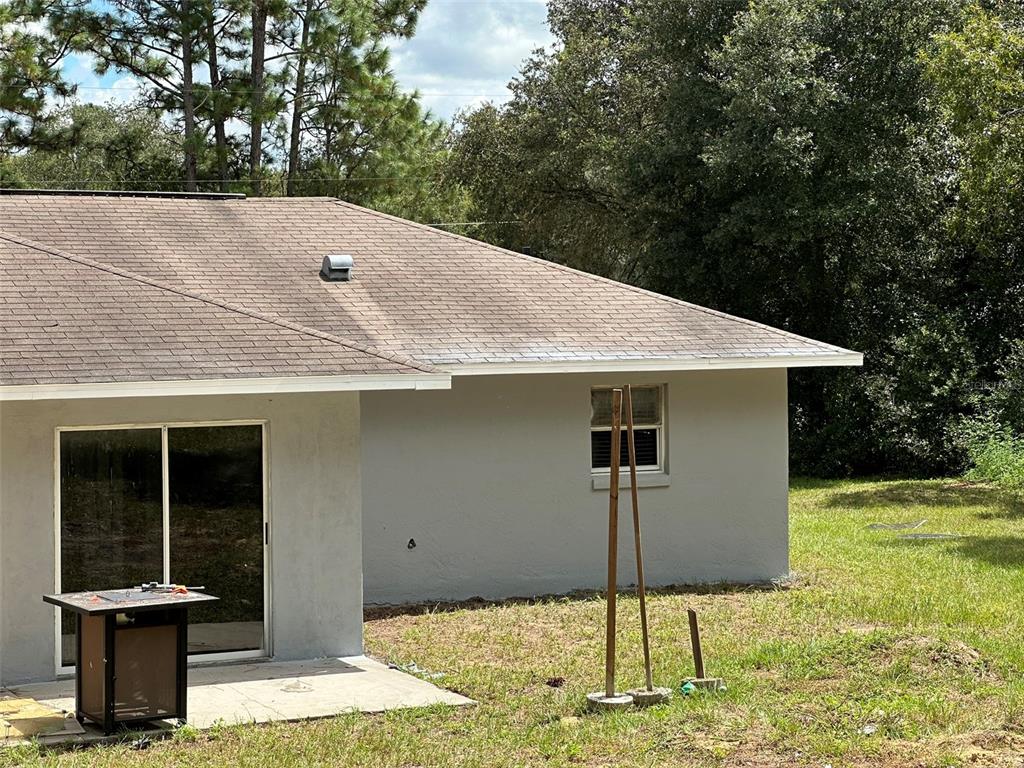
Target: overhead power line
(470,223)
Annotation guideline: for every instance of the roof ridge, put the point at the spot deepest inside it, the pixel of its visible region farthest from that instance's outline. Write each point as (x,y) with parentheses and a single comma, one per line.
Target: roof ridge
(598,278)
(281,322)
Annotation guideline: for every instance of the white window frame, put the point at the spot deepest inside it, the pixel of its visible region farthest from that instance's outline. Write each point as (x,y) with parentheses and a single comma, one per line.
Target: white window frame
(266,651)
(648,468)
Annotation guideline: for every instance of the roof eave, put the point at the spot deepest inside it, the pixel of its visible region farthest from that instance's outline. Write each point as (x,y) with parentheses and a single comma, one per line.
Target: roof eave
(234,386)
(839,358)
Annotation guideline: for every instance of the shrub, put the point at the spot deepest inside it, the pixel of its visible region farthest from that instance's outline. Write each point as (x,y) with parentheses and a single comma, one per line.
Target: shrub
(995,452)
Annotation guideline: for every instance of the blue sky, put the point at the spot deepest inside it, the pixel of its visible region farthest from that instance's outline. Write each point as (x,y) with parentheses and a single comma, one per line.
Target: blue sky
(464,53)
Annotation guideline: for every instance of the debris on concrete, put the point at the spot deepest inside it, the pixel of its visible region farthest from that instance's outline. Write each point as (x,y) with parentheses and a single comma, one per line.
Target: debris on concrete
(23,718)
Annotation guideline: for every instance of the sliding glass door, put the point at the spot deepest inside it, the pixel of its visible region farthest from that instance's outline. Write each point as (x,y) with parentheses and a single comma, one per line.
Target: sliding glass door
(111,514)
(216,532)
(179,504)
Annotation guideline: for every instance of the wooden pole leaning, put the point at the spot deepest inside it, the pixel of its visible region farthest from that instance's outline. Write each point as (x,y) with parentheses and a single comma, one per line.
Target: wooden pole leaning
(640,586)
(609,698)
(642,697)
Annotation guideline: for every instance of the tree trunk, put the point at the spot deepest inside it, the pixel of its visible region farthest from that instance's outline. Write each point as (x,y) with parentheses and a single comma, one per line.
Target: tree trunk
(220,137)
(259,44)
(188,97)
(294,136)
(328,126)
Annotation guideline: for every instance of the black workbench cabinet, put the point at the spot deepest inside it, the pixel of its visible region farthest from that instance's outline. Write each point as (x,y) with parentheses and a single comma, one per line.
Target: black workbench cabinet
(132,653)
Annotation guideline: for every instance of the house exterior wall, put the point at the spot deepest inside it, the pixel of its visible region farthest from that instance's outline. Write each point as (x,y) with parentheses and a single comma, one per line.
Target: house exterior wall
(314,507)
(493,482)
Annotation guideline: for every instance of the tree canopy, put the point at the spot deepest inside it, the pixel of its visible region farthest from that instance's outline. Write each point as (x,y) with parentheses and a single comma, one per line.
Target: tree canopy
(263,96)
(29,72)
(845,169)
(850,170)
(112,148)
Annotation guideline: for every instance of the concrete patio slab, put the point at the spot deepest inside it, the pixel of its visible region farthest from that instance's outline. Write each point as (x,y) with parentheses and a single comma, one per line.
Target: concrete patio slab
(267,691)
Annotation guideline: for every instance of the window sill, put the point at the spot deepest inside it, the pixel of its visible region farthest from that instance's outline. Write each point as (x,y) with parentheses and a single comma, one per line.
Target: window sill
(643,480)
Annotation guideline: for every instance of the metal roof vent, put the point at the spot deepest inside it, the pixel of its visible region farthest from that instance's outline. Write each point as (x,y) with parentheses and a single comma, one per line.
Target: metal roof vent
(337,267)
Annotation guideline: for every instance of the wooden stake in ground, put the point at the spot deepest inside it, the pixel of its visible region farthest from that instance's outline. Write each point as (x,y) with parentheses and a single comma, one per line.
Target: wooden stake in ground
(613,544)
(700,681)
(698,654)
(640,588)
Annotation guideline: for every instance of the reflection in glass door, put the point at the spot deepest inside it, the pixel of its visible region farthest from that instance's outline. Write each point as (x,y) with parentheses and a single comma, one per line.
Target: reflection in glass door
(216,532)
(111,515)
(120,526)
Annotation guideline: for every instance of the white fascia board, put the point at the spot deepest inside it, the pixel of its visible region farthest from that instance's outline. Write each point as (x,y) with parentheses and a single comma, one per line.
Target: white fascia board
(692,364)
(267,386)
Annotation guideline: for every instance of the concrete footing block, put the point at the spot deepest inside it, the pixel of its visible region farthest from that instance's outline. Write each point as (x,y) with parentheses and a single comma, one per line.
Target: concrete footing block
(598,701)
(644,698)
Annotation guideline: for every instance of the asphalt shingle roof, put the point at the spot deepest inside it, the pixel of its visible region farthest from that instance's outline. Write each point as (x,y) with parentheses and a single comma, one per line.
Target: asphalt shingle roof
(417,293)
(67,320)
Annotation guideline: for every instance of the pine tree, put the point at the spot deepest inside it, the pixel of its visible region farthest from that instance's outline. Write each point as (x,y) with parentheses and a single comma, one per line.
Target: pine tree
(30,59)
(160,42)
(345,103)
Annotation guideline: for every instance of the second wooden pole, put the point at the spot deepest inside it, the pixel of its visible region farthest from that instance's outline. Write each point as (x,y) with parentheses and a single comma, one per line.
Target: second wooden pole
(640,587)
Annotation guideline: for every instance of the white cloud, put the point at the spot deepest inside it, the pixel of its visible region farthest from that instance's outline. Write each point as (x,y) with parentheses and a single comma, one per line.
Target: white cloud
(465,52)
(113,87)
(124,90)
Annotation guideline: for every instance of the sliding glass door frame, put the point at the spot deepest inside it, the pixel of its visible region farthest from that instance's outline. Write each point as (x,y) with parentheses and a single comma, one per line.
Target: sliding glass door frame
(206,658)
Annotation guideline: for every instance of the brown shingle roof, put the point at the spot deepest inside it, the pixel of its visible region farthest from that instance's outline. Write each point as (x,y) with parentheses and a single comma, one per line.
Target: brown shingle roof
(68,320)
(417,292)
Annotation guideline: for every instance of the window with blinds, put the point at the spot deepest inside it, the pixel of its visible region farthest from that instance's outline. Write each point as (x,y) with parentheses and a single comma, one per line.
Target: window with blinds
(648,420)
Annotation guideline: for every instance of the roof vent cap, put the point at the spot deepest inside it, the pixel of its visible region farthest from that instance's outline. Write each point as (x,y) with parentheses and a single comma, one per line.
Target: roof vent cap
(337,267)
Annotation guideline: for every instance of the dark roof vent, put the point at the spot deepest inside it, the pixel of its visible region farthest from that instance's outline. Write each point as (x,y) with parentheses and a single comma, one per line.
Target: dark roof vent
(337,268)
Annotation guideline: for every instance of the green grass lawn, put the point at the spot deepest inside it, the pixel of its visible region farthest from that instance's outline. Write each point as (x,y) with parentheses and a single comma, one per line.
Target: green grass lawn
(882,651)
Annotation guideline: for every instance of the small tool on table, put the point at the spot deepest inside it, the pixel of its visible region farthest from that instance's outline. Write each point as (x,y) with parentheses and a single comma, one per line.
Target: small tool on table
(178,589)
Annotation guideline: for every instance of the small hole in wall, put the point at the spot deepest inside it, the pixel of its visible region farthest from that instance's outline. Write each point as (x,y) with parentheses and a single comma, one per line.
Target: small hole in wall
(411,544)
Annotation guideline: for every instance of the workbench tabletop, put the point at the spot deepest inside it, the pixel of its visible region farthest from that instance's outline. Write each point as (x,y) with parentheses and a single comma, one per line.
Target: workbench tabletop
(131,600)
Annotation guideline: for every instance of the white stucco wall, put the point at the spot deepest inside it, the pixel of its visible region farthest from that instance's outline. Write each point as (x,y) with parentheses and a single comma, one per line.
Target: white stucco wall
(492,480)
(313,454)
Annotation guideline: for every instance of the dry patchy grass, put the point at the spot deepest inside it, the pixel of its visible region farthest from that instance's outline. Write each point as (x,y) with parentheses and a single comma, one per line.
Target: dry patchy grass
(882,652)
